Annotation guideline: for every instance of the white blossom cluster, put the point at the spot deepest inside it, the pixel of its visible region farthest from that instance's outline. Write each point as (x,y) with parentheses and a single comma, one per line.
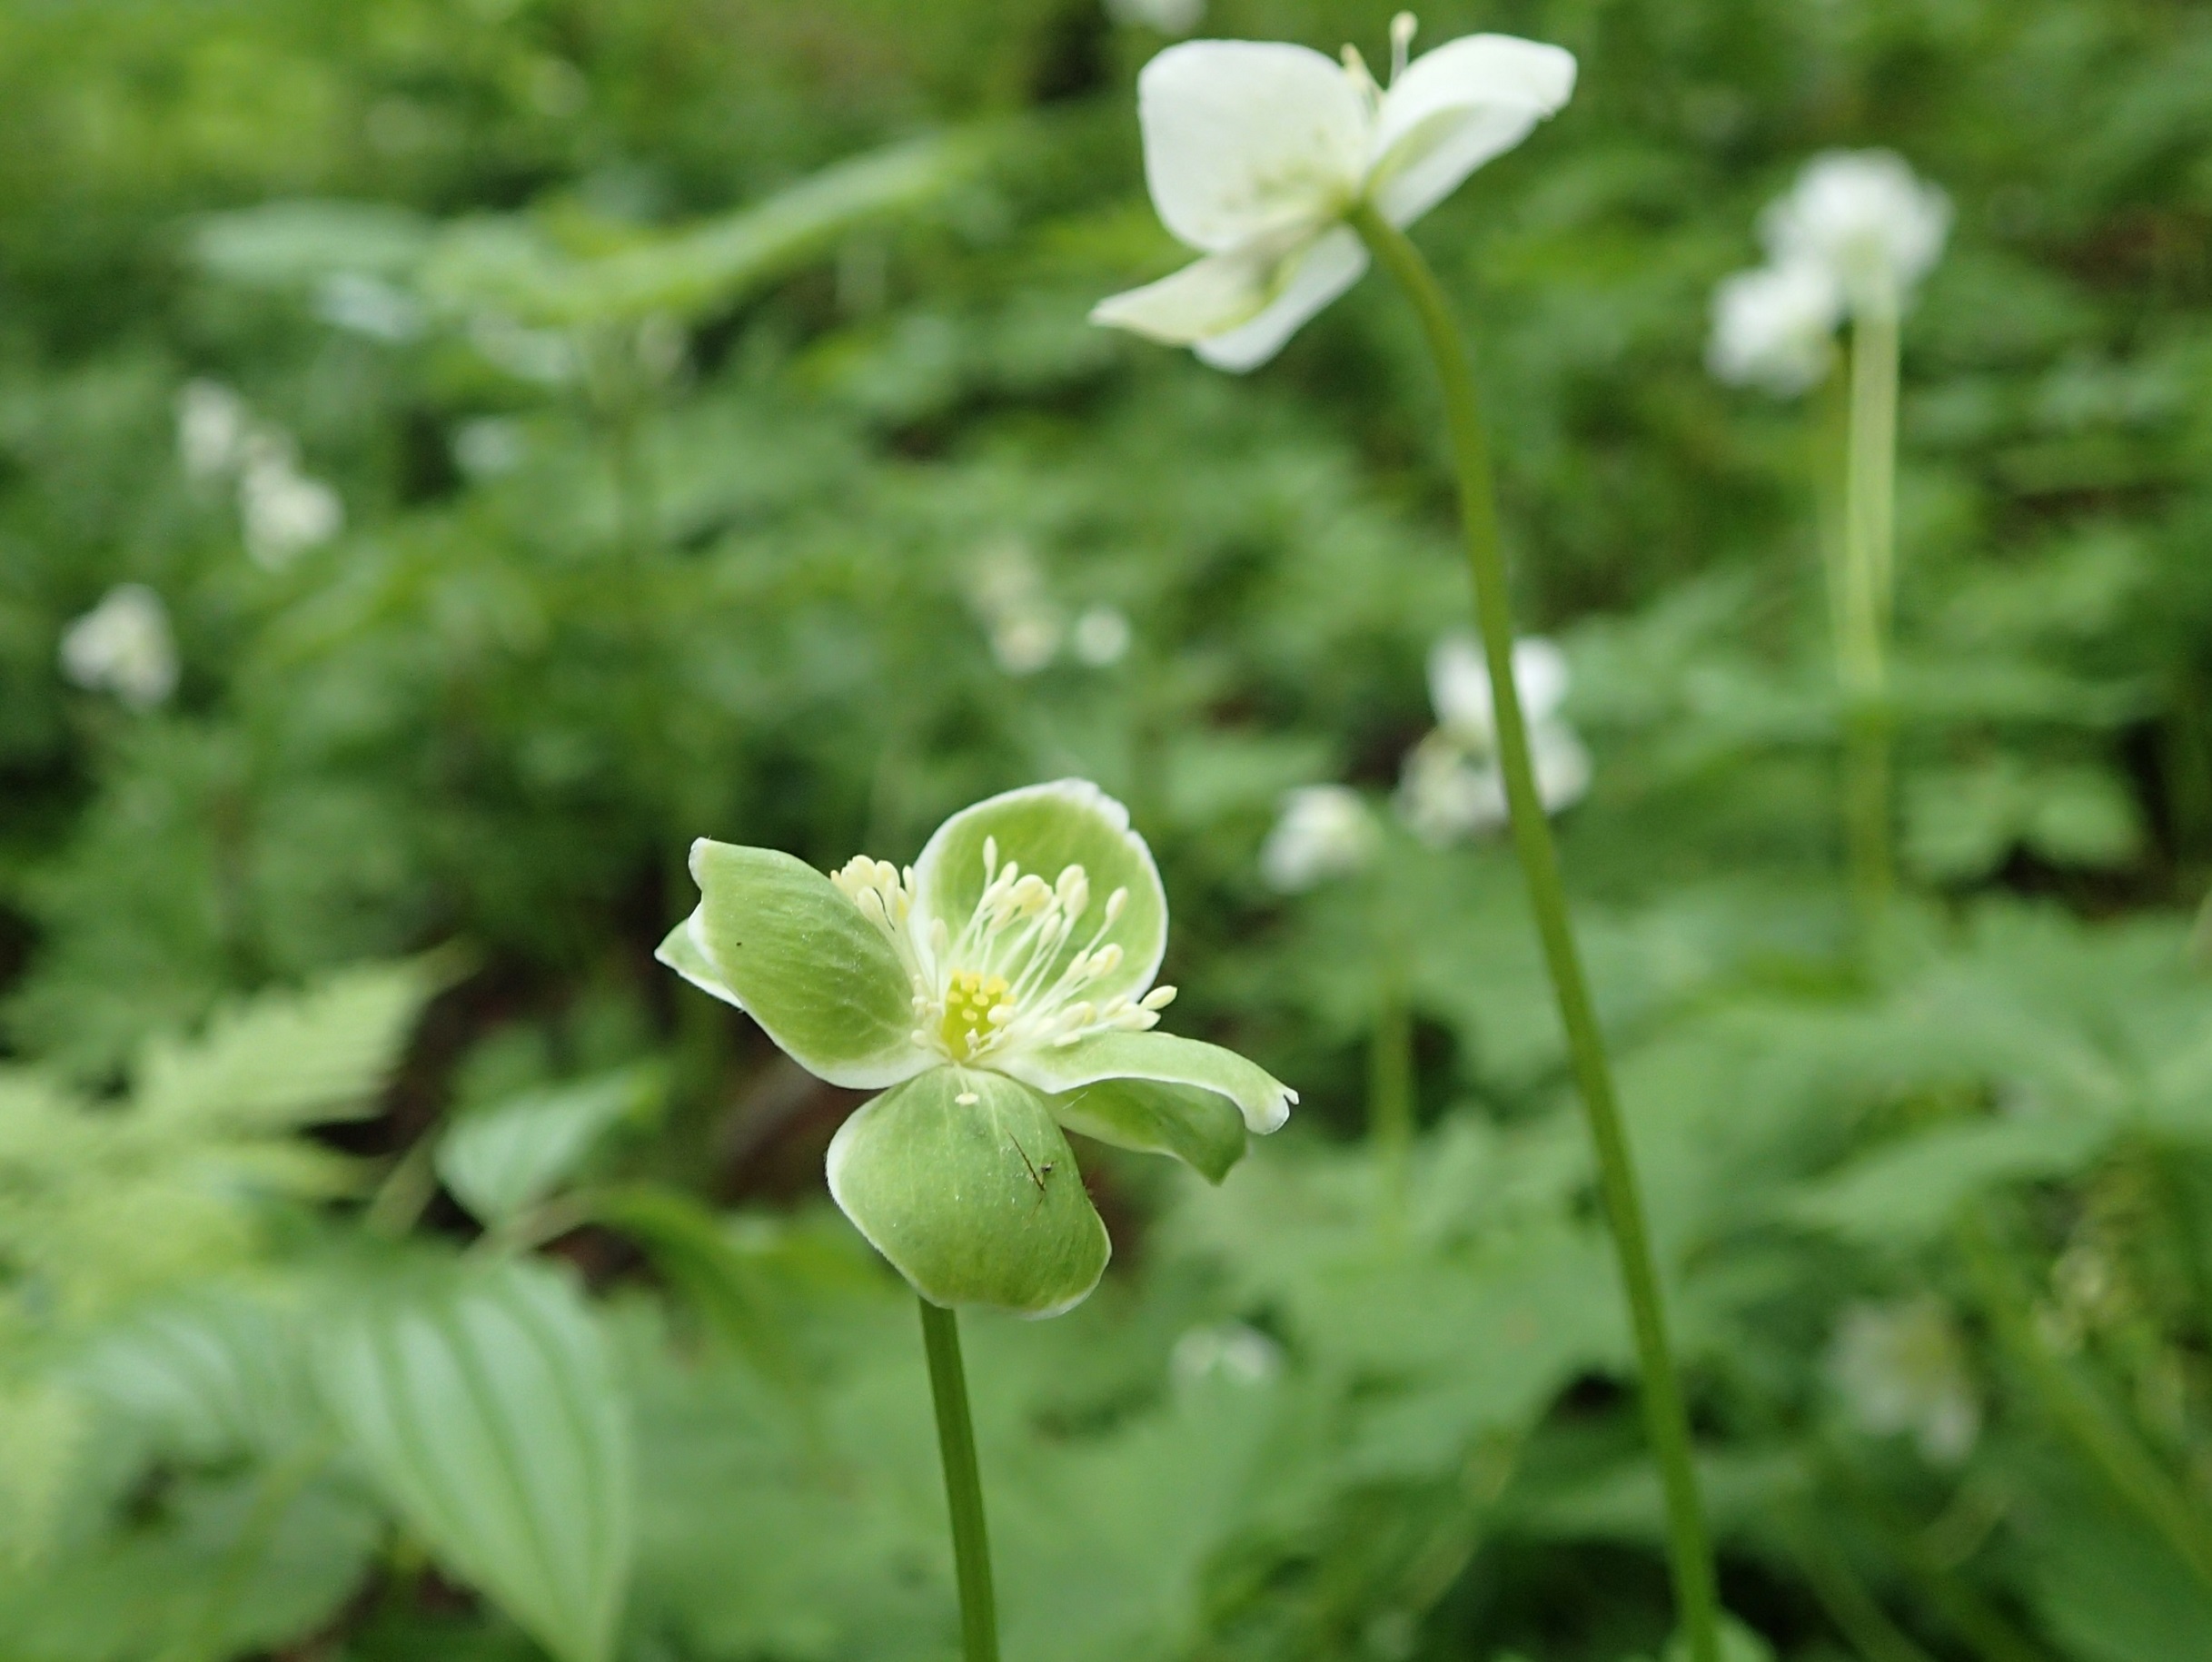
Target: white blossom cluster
(1851,238)
(123,646)
(1901,1368)
(1029,630)
(1451,786)
(282,510)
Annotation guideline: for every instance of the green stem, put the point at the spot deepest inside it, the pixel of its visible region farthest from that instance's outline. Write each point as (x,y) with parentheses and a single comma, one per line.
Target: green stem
(1390,1077)
(1666,1421)
(1866,596)
(956,1436)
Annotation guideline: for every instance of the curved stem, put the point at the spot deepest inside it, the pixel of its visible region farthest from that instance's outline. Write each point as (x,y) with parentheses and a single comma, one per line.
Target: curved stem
(1666,1421)
(956,1436)
(1866,594)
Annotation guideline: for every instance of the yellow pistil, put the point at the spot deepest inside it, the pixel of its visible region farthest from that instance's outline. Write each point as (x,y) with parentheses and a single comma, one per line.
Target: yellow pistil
(970,996)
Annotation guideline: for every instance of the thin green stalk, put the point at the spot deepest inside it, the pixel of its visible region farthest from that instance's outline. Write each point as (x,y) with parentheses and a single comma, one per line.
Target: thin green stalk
(1856,1612)
(956,1436)
(1666,1421)
(1866,595)
(1390,1076)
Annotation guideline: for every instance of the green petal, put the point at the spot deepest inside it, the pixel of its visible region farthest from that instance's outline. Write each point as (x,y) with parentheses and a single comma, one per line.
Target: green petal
(976,1202)
(1264,1099)
(1199,1128)
(778,940)
(680,951)
(1043,829)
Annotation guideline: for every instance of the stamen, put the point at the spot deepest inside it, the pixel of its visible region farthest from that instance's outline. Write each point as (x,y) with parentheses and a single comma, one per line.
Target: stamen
(1401,29)
(1159,998)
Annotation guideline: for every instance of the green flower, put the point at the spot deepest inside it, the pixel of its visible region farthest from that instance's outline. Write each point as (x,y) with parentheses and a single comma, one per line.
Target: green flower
(995,990)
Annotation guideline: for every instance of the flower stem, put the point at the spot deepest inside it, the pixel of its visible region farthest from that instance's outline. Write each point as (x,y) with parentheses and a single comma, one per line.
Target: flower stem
(956,1436)
(1866,596)
(1666,1421)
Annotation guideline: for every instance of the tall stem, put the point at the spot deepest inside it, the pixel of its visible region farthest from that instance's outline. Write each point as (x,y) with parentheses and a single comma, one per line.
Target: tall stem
(956,1436)
(1866,595)
(1666,1421)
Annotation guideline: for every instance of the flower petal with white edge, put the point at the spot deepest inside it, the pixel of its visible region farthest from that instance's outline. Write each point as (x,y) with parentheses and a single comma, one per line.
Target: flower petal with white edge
(962,1180)
(680,951)
(1201,1128)
(1305,284)
(1245,139)
(802,961)
(1209,297)
(1047,831)
(1264,1099)
(1455,108)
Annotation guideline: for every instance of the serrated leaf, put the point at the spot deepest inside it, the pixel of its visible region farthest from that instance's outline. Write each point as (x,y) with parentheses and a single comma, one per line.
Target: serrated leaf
(289,1059)
(500,1160)
(484,1406)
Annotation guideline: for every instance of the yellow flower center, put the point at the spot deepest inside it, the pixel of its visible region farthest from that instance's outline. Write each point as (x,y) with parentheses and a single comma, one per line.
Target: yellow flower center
(970,996)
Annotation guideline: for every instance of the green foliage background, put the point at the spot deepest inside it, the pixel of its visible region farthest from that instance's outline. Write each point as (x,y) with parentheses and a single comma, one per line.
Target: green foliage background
(704,381)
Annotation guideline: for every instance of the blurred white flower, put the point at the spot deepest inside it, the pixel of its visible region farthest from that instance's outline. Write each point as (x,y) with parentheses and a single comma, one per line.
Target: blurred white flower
(1775,328)
(1900,1368)
(1864,218)
(488,446)
(1256,151)
(284,513)
(1451,785)
(363,304)
(123,646)
(1233,1352)
(1325,831)
(1009,593)
(1101,636)
(1166,17)
(211,429)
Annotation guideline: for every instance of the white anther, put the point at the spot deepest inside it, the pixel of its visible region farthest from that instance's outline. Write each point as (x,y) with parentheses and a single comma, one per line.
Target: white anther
(1104,962)
(1159,998)
(1001,1015)
(1114,902)
(990,857)
(1402,28)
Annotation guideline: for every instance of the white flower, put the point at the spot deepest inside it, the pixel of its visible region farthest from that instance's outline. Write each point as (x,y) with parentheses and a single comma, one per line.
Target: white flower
(1775,328)
(211,429)
(1239,1354)
(1254,152)
(1863,217)
(1325,831)
(1024,626)
(1451,785)
(1166,17)
(285,512)
(123,646)
(1900,1368)
(1459,685)
(1101,636)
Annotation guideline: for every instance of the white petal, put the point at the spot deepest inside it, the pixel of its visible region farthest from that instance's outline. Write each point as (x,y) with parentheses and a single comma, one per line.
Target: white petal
(1304,284)
(1246,138)
(1540,677)
(1208,297)
(1455,108)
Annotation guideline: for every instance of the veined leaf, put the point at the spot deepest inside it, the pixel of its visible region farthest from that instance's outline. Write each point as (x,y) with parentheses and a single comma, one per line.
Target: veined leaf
(486,1408)
(500,1160)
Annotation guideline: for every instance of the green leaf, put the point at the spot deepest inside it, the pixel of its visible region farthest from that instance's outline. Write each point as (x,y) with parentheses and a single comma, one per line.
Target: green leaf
(1043,829)
(1264,1099)
(974,1202)
(798,956)
(1905,1191)
(486,1408)
(502,1159)
(291,1058)
(1200,1127)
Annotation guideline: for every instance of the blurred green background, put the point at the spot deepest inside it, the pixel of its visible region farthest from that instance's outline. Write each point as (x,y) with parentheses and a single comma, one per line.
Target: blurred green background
(554,429)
